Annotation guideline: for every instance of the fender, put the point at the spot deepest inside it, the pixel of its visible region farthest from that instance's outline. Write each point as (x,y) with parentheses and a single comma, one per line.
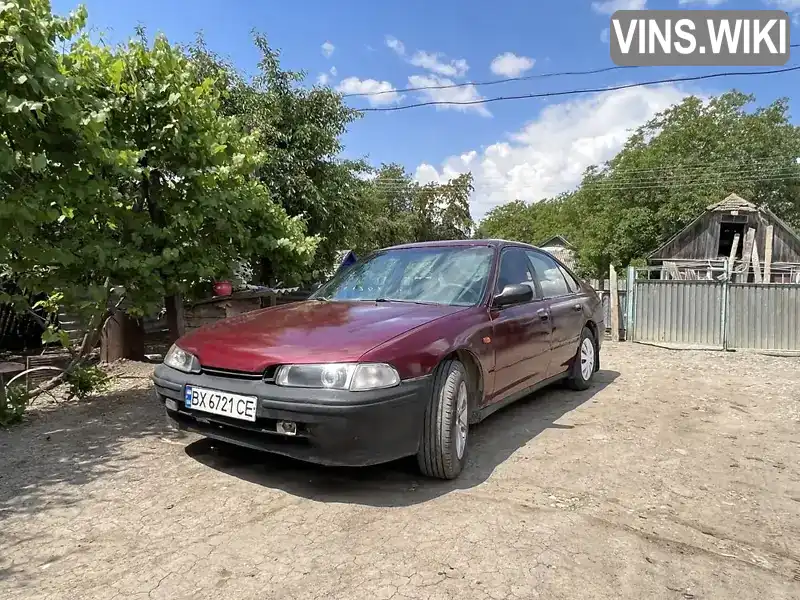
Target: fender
(418,352)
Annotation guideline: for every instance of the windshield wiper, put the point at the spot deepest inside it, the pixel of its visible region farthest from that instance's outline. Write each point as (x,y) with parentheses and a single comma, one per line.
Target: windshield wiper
(403,301)
(321,298)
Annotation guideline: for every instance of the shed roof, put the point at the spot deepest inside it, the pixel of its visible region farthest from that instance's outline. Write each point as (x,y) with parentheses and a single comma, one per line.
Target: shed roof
(733,202)
(556,240)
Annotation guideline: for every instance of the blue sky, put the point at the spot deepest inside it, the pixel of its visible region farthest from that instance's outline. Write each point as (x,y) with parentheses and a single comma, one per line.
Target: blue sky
(518,149)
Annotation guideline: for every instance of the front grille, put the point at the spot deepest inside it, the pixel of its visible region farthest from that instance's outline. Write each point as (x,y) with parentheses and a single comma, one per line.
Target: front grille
(268,375)
(232,373)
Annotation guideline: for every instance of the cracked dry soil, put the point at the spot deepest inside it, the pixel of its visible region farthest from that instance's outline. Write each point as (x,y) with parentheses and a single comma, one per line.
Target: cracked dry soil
(674,476)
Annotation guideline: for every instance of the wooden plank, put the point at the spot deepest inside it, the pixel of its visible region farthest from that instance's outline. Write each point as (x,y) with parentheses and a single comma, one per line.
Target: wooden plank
(614,303)
(756,265)
(747,255)
(672,270)
(121,337)
(200,322)
(54,359)
(235,308)
(768,254)
(734,250)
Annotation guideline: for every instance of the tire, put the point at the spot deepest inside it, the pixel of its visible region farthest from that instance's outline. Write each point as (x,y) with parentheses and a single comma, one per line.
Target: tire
(580,377)
(443,448)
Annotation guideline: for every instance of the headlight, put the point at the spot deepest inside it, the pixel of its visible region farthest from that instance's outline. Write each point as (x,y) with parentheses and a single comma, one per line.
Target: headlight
(177,358)
(339,376)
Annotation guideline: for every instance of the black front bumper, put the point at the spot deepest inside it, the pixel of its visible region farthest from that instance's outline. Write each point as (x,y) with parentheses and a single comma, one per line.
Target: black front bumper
(334,427)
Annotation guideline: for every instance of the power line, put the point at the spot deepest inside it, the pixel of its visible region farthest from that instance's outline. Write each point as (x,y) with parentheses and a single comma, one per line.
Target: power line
(688,167)
(580,91)
(491,82)
(711,177)
(662,174)
(498,81)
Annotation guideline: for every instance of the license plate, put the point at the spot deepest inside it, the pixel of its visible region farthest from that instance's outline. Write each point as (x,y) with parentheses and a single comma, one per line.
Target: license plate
(220,403)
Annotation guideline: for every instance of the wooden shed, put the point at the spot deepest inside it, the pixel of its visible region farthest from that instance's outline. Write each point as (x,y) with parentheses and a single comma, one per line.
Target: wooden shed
(561,248)
(756,245)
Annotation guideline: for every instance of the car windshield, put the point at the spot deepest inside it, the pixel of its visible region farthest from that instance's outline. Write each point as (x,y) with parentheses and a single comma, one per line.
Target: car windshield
(454,275)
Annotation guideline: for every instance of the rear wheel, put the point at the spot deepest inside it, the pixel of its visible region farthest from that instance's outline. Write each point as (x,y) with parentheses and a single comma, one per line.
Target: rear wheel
(443,449)
(584,364)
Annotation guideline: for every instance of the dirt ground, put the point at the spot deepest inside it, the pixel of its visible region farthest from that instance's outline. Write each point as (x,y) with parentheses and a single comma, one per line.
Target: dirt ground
(674,476)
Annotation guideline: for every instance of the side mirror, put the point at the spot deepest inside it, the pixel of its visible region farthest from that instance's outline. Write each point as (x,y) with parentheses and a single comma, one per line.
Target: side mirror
(513,294)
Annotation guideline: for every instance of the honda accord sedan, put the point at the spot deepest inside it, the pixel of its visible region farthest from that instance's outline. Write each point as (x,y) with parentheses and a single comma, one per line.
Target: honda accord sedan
(397,355)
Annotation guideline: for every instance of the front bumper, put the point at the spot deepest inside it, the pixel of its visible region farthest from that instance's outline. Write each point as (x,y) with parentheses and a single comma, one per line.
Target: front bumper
(334,427)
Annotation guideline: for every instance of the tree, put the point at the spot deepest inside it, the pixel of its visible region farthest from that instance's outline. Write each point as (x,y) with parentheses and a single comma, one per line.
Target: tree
(530,223)
(52,146)
(442,210)
(684,159)
(300,146)
(385,204)
(120,173)
(398,210)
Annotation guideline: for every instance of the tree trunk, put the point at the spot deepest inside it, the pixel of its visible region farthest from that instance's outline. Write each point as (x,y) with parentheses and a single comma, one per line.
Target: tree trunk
(122,337)
(175,317)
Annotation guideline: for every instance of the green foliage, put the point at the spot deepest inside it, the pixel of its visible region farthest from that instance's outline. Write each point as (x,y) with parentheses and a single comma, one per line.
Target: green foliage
(14,405)
(394,209)
(54,334)
(530,223)
(85,381)
(684,159)
(300,144)
(119,170)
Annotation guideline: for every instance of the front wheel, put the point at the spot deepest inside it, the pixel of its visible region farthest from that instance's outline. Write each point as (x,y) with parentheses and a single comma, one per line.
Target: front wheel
(443,448)
(584,364)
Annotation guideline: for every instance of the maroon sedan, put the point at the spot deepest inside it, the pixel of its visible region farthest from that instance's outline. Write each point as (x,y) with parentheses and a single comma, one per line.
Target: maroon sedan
(396,356)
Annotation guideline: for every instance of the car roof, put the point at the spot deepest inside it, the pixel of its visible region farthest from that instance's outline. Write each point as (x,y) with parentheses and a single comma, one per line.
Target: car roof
(493,243)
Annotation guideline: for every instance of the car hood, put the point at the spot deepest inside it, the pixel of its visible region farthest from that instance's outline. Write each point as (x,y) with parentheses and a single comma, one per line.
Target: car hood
(306,332)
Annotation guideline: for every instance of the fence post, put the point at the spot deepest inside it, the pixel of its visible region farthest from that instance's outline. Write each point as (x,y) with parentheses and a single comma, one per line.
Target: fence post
(630,298)
(725,292)
(613,292)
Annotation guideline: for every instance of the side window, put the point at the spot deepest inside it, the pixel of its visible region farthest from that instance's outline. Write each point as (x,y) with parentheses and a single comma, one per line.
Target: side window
(514,268)
(550,277)
(573,284)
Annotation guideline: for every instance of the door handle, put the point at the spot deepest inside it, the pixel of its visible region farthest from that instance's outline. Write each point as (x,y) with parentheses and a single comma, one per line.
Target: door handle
(543,314)
(578,307)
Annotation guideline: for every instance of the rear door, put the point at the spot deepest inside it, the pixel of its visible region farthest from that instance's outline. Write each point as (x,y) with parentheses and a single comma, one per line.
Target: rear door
(521,332)
(566,310)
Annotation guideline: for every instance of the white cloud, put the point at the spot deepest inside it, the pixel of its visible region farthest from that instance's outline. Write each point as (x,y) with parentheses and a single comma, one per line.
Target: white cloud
(327,49)
(605,35)
(325,78)
(609,7)
(511,65)
(434,62)
(396,45)
(549,154)
(354,85)
(464,93)
(706,2)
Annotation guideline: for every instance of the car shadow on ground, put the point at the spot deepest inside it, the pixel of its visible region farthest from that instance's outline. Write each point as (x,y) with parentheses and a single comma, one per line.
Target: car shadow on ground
(400,483)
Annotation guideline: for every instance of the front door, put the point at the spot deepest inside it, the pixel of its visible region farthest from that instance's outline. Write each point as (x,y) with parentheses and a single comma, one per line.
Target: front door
(521,332)
(566,311)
